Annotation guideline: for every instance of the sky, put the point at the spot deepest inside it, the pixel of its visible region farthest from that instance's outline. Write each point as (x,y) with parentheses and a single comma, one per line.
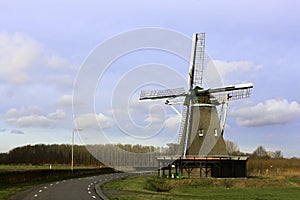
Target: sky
(45,46)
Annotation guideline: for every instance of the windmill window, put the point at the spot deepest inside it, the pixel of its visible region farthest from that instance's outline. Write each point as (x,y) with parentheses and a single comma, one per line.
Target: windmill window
(201,132)
(216,132)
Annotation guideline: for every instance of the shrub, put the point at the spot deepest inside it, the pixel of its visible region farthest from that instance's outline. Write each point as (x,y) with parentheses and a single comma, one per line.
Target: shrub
(157,184)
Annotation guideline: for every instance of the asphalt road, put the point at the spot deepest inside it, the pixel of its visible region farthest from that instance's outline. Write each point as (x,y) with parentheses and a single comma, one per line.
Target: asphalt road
(80,188)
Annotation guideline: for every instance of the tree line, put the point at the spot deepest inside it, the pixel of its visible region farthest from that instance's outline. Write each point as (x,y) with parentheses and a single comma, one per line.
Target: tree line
(41,154)
(123,154)
(259,152)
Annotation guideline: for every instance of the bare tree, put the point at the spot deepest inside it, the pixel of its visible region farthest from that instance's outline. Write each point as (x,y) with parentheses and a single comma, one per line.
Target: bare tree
(260,152)
(232,147)
(278,154)
(173,149)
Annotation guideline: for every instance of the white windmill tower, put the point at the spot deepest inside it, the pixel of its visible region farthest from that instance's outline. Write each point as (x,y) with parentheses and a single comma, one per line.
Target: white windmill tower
(201,132)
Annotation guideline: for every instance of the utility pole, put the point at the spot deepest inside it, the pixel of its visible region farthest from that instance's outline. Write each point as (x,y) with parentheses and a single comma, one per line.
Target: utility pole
(72,151)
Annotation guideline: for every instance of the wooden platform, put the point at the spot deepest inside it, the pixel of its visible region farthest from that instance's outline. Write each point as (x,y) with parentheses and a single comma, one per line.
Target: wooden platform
(208,166)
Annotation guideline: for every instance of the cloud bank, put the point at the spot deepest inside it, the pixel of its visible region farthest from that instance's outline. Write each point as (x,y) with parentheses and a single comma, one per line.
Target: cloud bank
(269,112)
(225,68)
(18,54)
(92,120)
(33,116)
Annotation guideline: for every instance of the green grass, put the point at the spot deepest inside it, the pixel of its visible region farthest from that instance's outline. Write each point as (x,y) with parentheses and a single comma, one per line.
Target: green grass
(253,188)
(21,167)
(237,193)
(33,167)
(295,180)
(129,184)
(7,191)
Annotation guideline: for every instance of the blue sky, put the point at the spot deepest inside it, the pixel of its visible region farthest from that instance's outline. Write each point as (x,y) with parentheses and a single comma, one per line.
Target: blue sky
(44,44)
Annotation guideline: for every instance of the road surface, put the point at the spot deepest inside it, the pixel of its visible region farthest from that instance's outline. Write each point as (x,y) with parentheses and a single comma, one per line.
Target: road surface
(79,188)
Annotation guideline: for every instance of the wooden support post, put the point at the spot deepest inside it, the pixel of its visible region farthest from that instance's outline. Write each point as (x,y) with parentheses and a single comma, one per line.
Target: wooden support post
(159,169)
(220,170)
(176,169)
(163,172)
(200,170)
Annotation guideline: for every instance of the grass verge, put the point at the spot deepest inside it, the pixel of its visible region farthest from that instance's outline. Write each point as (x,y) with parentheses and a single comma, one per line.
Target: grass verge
(151,187)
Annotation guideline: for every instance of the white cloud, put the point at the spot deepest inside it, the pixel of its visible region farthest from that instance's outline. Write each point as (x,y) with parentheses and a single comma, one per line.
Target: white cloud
(29,110)
(225,68)
(57,62)
(173,122)
(57,115)
(91,120)
(273,111)
(152,119)
(218,73)
(136,105)
(18,53)
(31,121)
(65,100)
(32,116)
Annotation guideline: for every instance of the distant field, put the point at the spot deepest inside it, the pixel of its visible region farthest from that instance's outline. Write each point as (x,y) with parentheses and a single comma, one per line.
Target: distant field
(204,188)
(33,167)
(273,167)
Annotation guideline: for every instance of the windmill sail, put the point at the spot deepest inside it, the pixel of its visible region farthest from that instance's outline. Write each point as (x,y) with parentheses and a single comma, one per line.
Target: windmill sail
(182,130)
(182,123)
(197,60)
(234,92)
(162,94)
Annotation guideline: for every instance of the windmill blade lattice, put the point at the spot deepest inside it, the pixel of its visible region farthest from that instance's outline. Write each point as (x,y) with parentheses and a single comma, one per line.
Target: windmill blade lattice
(162,94)
(182,123)
(197,60)
(234,92)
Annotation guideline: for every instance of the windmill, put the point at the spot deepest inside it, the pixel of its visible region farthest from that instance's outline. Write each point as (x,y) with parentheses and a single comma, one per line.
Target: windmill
(201,133)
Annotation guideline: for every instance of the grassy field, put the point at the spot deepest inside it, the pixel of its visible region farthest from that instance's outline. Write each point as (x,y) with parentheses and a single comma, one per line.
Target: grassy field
(16,178)
(273,167)
(203,188)
(269,179)
(8,190)
(38,167)
(276,179)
